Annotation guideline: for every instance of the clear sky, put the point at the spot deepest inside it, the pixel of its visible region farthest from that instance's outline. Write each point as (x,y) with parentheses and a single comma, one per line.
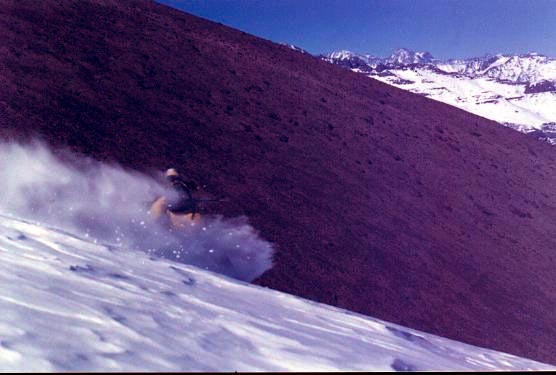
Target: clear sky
(445,28)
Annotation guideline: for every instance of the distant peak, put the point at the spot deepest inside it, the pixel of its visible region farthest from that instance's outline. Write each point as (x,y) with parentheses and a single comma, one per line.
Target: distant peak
(295,48)
(407,56)
(341,55)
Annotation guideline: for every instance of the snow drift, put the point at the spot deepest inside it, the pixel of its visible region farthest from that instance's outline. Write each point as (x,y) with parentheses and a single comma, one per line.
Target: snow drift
(110,205)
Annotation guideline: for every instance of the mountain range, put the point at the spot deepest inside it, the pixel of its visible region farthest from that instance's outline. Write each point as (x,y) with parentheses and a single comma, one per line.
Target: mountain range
(516,90)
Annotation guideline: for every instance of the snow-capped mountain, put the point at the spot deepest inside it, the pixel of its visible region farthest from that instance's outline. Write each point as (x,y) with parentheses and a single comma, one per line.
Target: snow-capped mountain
(70,304)
(351,60)
(294,47)
(516,90)
(403,56)
(530,68)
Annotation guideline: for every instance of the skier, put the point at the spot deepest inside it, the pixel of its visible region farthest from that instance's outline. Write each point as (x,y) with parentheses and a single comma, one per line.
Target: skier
(182,211)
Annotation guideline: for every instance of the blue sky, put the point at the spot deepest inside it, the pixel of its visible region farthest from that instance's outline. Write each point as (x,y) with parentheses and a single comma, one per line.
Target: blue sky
(446,28)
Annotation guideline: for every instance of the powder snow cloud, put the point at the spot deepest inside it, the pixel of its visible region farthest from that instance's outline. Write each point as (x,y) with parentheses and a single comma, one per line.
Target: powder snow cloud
(110,205)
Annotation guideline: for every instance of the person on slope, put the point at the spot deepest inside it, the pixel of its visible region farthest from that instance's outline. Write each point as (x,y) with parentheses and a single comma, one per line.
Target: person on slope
(183,211)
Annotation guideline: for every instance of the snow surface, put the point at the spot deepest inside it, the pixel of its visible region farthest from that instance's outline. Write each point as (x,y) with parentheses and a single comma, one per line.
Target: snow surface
(71,304)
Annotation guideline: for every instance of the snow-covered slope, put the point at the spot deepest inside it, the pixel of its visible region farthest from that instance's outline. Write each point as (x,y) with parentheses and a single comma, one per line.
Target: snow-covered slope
(71,304)
(530,68)
(516,90)
(499,101)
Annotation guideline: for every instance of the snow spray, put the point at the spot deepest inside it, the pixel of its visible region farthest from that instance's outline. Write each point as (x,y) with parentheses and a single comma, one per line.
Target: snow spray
(110,205)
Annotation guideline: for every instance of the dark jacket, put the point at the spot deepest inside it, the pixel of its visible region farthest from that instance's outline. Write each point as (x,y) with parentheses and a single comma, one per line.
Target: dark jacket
(185,202)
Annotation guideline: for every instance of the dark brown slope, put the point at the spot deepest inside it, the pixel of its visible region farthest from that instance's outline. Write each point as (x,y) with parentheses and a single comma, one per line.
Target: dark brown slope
(379,201)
